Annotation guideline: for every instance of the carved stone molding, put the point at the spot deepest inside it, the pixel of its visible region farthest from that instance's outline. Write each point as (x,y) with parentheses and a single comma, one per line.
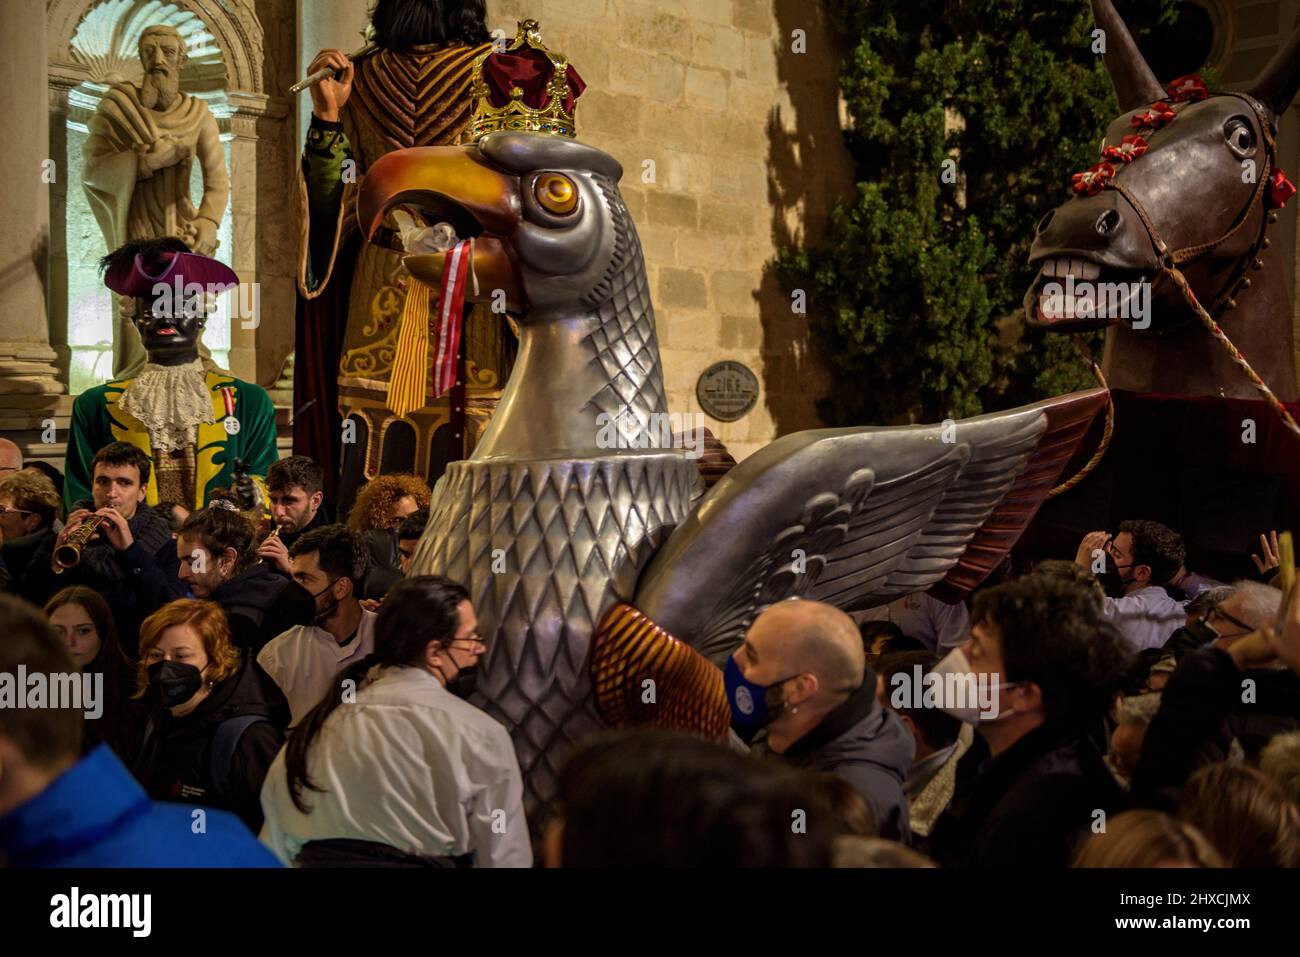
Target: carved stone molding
(233,25)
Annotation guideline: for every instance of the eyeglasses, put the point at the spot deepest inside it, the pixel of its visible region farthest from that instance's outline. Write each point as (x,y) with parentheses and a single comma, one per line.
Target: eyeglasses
(1217,612)
(6,509)
(474,640)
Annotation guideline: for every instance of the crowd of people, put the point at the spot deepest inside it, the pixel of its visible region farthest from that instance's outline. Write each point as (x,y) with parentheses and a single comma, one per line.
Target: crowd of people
(286,693)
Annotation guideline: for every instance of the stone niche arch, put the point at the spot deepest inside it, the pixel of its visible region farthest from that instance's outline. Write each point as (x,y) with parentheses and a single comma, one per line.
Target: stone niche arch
(234,26)
(91,43)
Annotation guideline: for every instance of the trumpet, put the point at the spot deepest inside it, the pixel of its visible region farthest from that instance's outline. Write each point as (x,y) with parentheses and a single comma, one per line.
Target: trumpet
(68,555)
(274,533)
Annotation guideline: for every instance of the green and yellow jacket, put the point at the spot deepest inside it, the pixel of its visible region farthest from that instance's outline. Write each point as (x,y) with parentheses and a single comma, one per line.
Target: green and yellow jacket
(97,421)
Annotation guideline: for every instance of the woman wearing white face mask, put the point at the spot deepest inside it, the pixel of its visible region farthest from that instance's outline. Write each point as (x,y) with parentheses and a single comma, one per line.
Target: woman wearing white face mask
(1034,679)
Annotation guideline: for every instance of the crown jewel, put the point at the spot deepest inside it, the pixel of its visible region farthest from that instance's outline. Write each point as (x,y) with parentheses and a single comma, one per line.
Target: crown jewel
(524,87)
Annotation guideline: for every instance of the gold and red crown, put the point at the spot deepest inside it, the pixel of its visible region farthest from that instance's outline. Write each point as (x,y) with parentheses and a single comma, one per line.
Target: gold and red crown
(524,87)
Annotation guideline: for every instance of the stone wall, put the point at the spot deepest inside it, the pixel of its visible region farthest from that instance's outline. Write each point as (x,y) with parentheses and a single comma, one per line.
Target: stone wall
(714,119)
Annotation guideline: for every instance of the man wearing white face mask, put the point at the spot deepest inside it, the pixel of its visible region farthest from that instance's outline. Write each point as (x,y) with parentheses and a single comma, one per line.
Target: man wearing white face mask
(1045,665)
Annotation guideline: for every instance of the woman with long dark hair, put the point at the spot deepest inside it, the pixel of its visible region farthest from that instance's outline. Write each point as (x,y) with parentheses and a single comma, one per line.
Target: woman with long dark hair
(391,767)
(82,617)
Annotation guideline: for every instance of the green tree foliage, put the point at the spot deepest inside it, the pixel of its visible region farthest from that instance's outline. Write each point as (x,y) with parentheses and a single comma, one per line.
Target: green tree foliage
(916,288)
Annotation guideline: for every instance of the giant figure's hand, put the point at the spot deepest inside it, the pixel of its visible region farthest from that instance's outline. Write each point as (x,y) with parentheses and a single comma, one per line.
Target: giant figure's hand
(329,95)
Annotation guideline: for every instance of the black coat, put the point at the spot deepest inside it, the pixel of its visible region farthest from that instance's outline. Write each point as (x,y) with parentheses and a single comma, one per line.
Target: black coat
(1201,711)
(1031,806)
(385,562)
(103,569)
(869,747)
(260,604)
(121,725)
(319,519)
(18,552)
(175,757)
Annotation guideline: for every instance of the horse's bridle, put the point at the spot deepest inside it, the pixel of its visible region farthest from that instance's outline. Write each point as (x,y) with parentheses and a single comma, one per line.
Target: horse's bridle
(1172,260)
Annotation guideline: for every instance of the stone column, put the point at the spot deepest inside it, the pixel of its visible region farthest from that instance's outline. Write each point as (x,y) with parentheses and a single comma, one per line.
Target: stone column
(320,26)
(26,359)
(56,297)
(34,406)
(260,217)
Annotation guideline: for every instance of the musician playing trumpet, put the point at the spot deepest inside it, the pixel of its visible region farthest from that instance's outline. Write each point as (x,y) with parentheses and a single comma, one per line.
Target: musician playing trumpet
(120,474)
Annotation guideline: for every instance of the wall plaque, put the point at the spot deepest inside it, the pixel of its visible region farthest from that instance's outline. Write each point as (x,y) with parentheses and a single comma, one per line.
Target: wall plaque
(727,390)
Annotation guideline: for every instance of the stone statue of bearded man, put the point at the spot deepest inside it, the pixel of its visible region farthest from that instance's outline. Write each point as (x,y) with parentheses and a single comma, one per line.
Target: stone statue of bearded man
(143,141)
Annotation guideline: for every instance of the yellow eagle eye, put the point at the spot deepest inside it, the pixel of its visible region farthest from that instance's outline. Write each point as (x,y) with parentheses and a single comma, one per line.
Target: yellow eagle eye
(556,193)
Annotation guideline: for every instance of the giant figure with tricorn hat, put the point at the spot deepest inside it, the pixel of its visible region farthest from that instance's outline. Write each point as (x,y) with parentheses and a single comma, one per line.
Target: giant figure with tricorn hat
(204,429)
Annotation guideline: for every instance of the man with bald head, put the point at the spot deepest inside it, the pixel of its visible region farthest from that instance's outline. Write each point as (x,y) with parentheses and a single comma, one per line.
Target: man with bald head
(11,458)
(801,678)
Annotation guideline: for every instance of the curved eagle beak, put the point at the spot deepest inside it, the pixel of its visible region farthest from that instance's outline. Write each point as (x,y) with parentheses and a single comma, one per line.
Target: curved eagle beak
(452,184)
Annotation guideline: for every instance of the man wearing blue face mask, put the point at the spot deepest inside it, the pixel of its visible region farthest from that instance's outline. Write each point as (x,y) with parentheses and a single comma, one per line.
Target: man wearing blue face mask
(800,677)
(1044,664)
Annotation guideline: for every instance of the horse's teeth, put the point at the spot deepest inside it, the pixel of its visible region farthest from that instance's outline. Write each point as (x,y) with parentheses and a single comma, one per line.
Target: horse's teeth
(1064,266)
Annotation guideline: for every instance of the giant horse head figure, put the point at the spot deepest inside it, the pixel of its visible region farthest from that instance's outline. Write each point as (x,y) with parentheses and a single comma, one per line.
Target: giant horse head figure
(1189,181)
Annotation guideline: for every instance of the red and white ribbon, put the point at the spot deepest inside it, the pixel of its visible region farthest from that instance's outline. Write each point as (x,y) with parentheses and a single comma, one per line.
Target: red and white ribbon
(451,303)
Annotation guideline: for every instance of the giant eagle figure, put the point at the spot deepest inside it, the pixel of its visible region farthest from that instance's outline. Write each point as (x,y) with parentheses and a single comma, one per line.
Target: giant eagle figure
(564,541)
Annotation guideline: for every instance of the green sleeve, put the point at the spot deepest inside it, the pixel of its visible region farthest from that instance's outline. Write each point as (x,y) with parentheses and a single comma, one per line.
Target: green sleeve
(323,156)
(257,429)
(85,437)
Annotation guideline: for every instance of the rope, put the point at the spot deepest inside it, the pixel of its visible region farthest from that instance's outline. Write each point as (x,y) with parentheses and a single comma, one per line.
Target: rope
(1215,330)
(1106,432)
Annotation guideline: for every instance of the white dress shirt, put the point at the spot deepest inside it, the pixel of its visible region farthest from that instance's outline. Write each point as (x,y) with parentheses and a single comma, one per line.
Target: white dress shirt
(1147,617)
(936,624)
(410,765)
(305,660)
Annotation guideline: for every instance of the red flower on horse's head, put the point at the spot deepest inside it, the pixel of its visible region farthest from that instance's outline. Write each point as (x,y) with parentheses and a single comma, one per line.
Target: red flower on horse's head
(1155,117)
(1188,89)
(1093,180)
(1280,190)
(1129,149)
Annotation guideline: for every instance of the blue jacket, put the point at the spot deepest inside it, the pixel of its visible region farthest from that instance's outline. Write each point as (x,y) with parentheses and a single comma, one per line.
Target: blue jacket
(96,815)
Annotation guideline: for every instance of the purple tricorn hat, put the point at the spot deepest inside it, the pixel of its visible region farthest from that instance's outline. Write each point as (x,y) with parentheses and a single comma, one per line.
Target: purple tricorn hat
(185,268)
